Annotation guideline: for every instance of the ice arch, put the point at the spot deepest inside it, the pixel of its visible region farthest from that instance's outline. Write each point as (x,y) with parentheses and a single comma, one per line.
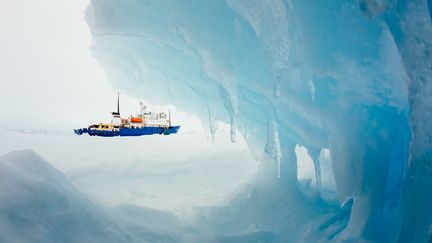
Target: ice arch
(350,76)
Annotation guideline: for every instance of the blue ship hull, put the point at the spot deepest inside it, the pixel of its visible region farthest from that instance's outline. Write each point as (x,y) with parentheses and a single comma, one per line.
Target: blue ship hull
(124,132)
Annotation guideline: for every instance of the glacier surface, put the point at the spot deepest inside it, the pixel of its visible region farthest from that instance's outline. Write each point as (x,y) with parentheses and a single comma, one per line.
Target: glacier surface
(349,77)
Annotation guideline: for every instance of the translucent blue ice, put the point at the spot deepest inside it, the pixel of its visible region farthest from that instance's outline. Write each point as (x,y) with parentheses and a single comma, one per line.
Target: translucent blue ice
(353,77)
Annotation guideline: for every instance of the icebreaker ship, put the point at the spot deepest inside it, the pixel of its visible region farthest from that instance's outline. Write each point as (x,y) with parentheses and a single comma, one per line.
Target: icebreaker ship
(349,77)
(145,123)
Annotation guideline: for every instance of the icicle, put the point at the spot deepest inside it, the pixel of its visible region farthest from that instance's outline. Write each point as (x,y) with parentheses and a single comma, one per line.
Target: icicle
(229,95)
(272,147)
(317,175)
(212,122)
(233,129)
(231,106)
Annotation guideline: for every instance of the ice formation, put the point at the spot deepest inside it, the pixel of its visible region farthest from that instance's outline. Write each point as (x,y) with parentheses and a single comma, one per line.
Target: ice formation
(350,77)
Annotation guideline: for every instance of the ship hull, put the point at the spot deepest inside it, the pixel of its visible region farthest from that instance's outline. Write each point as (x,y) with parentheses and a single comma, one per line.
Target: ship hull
(125,132)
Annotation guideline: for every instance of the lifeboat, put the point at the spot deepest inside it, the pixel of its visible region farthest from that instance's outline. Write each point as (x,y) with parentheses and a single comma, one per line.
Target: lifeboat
(136,120)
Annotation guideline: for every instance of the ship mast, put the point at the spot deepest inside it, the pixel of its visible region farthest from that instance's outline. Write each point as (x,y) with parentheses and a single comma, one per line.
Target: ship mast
(118,103)
(117,114)
(169,117)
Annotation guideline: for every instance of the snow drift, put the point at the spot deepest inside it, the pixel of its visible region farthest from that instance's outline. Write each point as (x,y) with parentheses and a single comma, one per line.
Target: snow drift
(39,204)
(351,77)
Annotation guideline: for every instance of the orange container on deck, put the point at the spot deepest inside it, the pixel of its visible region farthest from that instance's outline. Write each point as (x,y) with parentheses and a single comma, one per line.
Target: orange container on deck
(136,119)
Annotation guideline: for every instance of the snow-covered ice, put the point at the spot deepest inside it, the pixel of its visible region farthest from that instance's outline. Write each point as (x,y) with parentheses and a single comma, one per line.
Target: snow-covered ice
(40,204)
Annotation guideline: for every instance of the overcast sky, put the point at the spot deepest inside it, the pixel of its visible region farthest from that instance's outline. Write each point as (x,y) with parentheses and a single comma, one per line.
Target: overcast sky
(47,74)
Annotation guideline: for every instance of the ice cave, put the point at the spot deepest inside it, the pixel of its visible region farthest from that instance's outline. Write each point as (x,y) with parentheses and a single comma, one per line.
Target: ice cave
(331,98)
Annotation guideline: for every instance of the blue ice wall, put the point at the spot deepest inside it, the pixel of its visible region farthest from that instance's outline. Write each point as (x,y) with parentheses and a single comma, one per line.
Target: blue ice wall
(350,76)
